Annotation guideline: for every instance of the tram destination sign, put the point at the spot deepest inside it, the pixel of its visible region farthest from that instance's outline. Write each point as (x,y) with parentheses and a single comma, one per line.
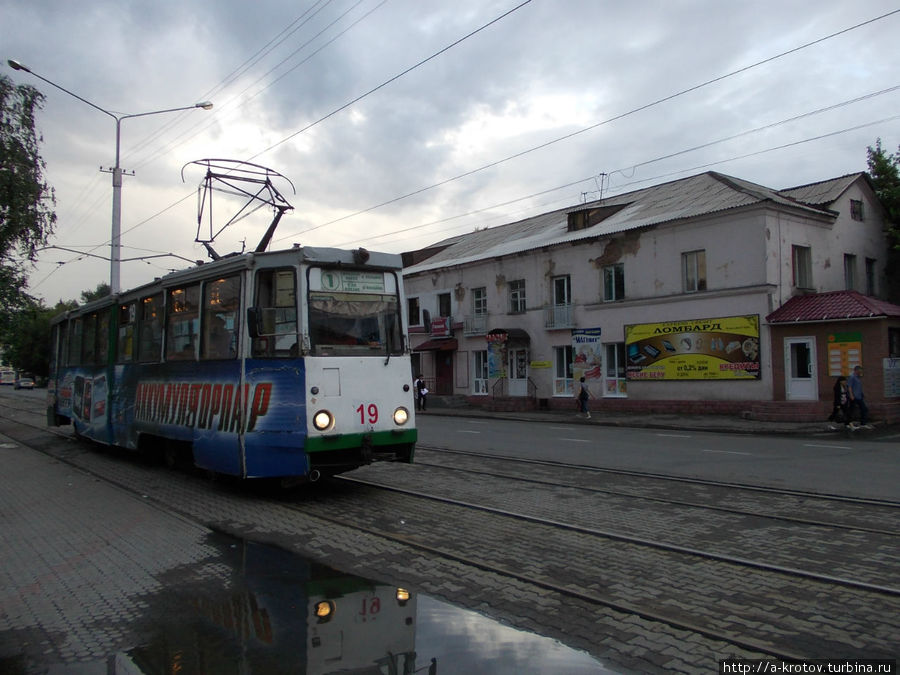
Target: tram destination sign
(350,281)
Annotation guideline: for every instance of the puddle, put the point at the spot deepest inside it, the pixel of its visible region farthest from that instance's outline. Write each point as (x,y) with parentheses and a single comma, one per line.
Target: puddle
(258,609)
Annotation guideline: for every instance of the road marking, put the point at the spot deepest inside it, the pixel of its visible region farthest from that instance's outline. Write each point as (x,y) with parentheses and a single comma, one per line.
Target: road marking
(823,445)
(467,431)
(675,435)
(729,452)
(576,440)
(477,421)
(559,428)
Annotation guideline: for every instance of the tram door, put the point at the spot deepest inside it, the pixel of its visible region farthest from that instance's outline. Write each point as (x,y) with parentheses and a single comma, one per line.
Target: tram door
(518,371)
(800,369)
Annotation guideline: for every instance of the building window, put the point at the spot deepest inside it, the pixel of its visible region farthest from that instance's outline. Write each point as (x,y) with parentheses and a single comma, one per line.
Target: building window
(856,209)
(479,301)
(563,359)
(693,271)
(802,261)
(849,272)
(480,375)
(614,282)
(415,316)
(894,342)
(517,296)
(615,384)
(871,288)
(444,304)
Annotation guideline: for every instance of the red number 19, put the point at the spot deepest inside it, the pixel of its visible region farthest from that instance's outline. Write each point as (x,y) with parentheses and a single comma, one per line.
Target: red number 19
(371,410)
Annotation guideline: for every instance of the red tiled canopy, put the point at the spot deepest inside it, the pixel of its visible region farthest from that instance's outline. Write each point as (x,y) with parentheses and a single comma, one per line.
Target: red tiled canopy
(832,306)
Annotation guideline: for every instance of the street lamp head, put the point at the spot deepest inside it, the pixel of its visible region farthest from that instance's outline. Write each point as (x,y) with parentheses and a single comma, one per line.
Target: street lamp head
(15,65)
(206,105)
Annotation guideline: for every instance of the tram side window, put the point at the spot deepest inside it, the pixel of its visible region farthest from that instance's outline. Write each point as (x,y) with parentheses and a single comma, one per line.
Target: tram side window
(183,323)
(76,330)
(221,302)
(102,352)
(276,304)
(89,340)
(150,328)
(127,318)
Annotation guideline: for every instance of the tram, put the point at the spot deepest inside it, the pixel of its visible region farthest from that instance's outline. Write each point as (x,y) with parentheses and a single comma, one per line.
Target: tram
(289,364)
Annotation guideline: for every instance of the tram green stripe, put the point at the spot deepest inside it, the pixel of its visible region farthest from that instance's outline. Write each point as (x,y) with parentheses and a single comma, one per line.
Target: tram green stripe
(377,439)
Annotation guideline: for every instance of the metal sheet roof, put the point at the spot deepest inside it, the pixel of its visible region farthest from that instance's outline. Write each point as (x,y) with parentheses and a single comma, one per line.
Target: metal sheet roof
(691,197)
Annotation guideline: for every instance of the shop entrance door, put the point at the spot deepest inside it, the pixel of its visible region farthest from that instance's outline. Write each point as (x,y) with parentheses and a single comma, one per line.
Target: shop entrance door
(800,369)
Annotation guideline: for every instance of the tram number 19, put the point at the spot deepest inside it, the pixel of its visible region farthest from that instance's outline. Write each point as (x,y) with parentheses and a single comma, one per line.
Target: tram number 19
(367,413)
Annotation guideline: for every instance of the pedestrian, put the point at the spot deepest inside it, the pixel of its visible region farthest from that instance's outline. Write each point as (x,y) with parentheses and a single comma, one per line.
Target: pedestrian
(421,394)
(857,398)
(583,397)
(840,412)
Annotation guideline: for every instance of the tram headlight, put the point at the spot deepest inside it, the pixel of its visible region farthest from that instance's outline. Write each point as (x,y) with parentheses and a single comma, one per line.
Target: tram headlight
(402,596)
(324,611)
(323,420)
(401,416)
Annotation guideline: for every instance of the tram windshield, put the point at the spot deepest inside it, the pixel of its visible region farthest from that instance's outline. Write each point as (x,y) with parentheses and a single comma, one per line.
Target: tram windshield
(354,323)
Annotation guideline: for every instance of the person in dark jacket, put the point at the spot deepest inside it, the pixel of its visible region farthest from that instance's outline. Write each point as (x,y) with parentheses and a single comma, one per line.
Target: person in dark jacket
(841,411)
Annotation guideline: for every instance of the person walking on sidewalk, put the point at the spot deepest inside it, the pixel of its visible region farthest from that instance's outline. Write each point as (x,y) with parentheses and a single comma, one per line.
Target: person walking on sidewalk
(583,397)
(840,411)
(421,394)
(857,398)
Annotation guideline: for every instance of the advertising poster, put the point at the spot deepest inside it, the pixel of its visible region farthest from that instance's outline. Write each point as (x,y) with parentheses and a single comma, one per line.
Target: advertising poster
(588,354)
(723,348)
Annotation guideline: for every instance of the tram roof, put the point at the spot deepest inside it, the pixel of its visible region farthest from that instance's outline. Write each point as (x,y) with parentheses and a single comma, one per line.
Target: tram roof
(298,255)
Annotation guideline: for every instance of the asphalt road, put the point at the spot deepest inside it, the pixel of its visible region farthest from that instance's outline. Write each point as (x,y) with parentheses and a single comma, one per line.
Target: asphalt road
(837,463)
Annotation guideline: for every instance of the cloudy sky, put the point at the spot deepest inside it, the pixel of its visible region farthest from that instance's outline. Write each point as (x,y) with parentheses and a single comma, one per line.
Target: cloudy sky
(401,122)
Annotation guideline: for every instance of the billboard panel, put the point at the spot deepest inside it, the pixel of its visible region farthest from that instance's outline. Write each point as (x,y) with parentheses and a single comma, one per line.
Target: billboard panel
(723,348)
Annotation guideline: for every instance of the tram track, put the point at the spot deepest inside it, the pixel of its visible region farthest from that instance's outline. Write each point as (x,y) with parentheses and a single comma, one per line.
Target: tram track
(867,510)
(369,505)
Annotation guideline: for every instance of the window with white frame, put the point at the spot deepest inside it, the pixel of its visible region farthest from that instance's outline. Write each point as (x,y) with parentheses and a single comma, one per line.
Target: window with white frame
(517,296)
(563,359)
(562,291)
(802,261)
(415,317)
(615,384)
(849,272)
(613,282)
(479,301)
(870,276)
(693,271)
(480,375)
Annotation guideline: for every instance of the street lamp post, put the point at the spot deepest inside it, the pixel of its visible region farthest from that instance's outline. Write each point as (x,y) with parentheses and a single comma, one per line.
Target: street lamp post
(115,245)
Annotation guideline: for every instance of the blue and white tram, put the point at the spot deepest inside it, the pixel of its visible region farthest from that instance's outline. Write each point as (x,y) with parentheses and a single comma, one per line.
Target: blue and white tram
(290,364)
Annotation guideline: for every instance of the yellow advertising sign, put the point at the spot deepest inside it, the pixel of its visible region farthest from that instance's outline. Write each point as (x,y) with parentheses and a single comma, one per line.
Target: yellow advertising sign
(724,348)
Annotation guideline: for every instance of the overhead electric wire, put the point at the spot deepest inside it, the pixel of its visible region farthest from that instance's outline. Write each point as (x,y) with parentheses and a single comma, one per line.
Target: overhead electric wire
(248,63)
(391,80)
(645,180)
(615,118)
(543,145)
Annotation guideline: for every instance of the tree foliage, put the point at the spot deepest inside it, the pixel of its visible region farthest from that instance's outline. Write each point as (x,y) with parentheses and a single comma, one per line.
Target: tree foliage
(884,170)
(27,218)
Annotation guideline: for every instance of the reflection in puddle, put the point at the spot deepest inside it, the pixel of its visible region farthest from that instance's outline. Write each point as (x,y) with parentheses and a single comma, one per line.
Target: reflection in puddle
(260,609)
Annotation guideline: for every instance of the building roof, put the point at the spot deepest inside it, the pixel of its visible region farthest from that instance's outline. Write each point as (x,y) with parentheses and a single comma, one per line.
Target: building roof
(695,196)
(824,192)
(837,305)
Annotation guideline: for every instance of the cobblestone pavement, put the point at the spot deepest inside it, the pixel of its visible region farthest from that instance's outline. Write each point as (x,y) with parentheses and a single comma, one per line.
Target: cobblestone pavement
(79,553)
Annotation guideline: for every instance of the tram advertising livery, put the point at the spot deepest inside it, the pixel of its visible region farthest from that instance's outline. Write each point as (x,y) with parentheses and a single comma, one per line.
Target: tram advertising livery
(291,364)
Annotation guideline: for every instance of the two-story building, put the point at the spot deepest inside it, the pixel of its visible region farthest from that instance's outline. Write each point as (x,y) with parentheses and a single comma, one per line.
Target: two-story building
(658,297)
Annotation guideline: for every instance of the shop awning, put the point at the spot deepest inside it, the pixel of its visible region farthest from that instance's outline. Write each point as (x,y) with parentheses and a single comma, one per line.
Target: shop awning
(508,335)
(437,345)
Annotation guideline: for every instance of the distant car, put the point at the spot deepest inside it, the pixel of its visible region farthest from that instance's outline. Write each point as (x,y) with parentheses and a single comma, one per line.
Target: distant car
(25,383)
